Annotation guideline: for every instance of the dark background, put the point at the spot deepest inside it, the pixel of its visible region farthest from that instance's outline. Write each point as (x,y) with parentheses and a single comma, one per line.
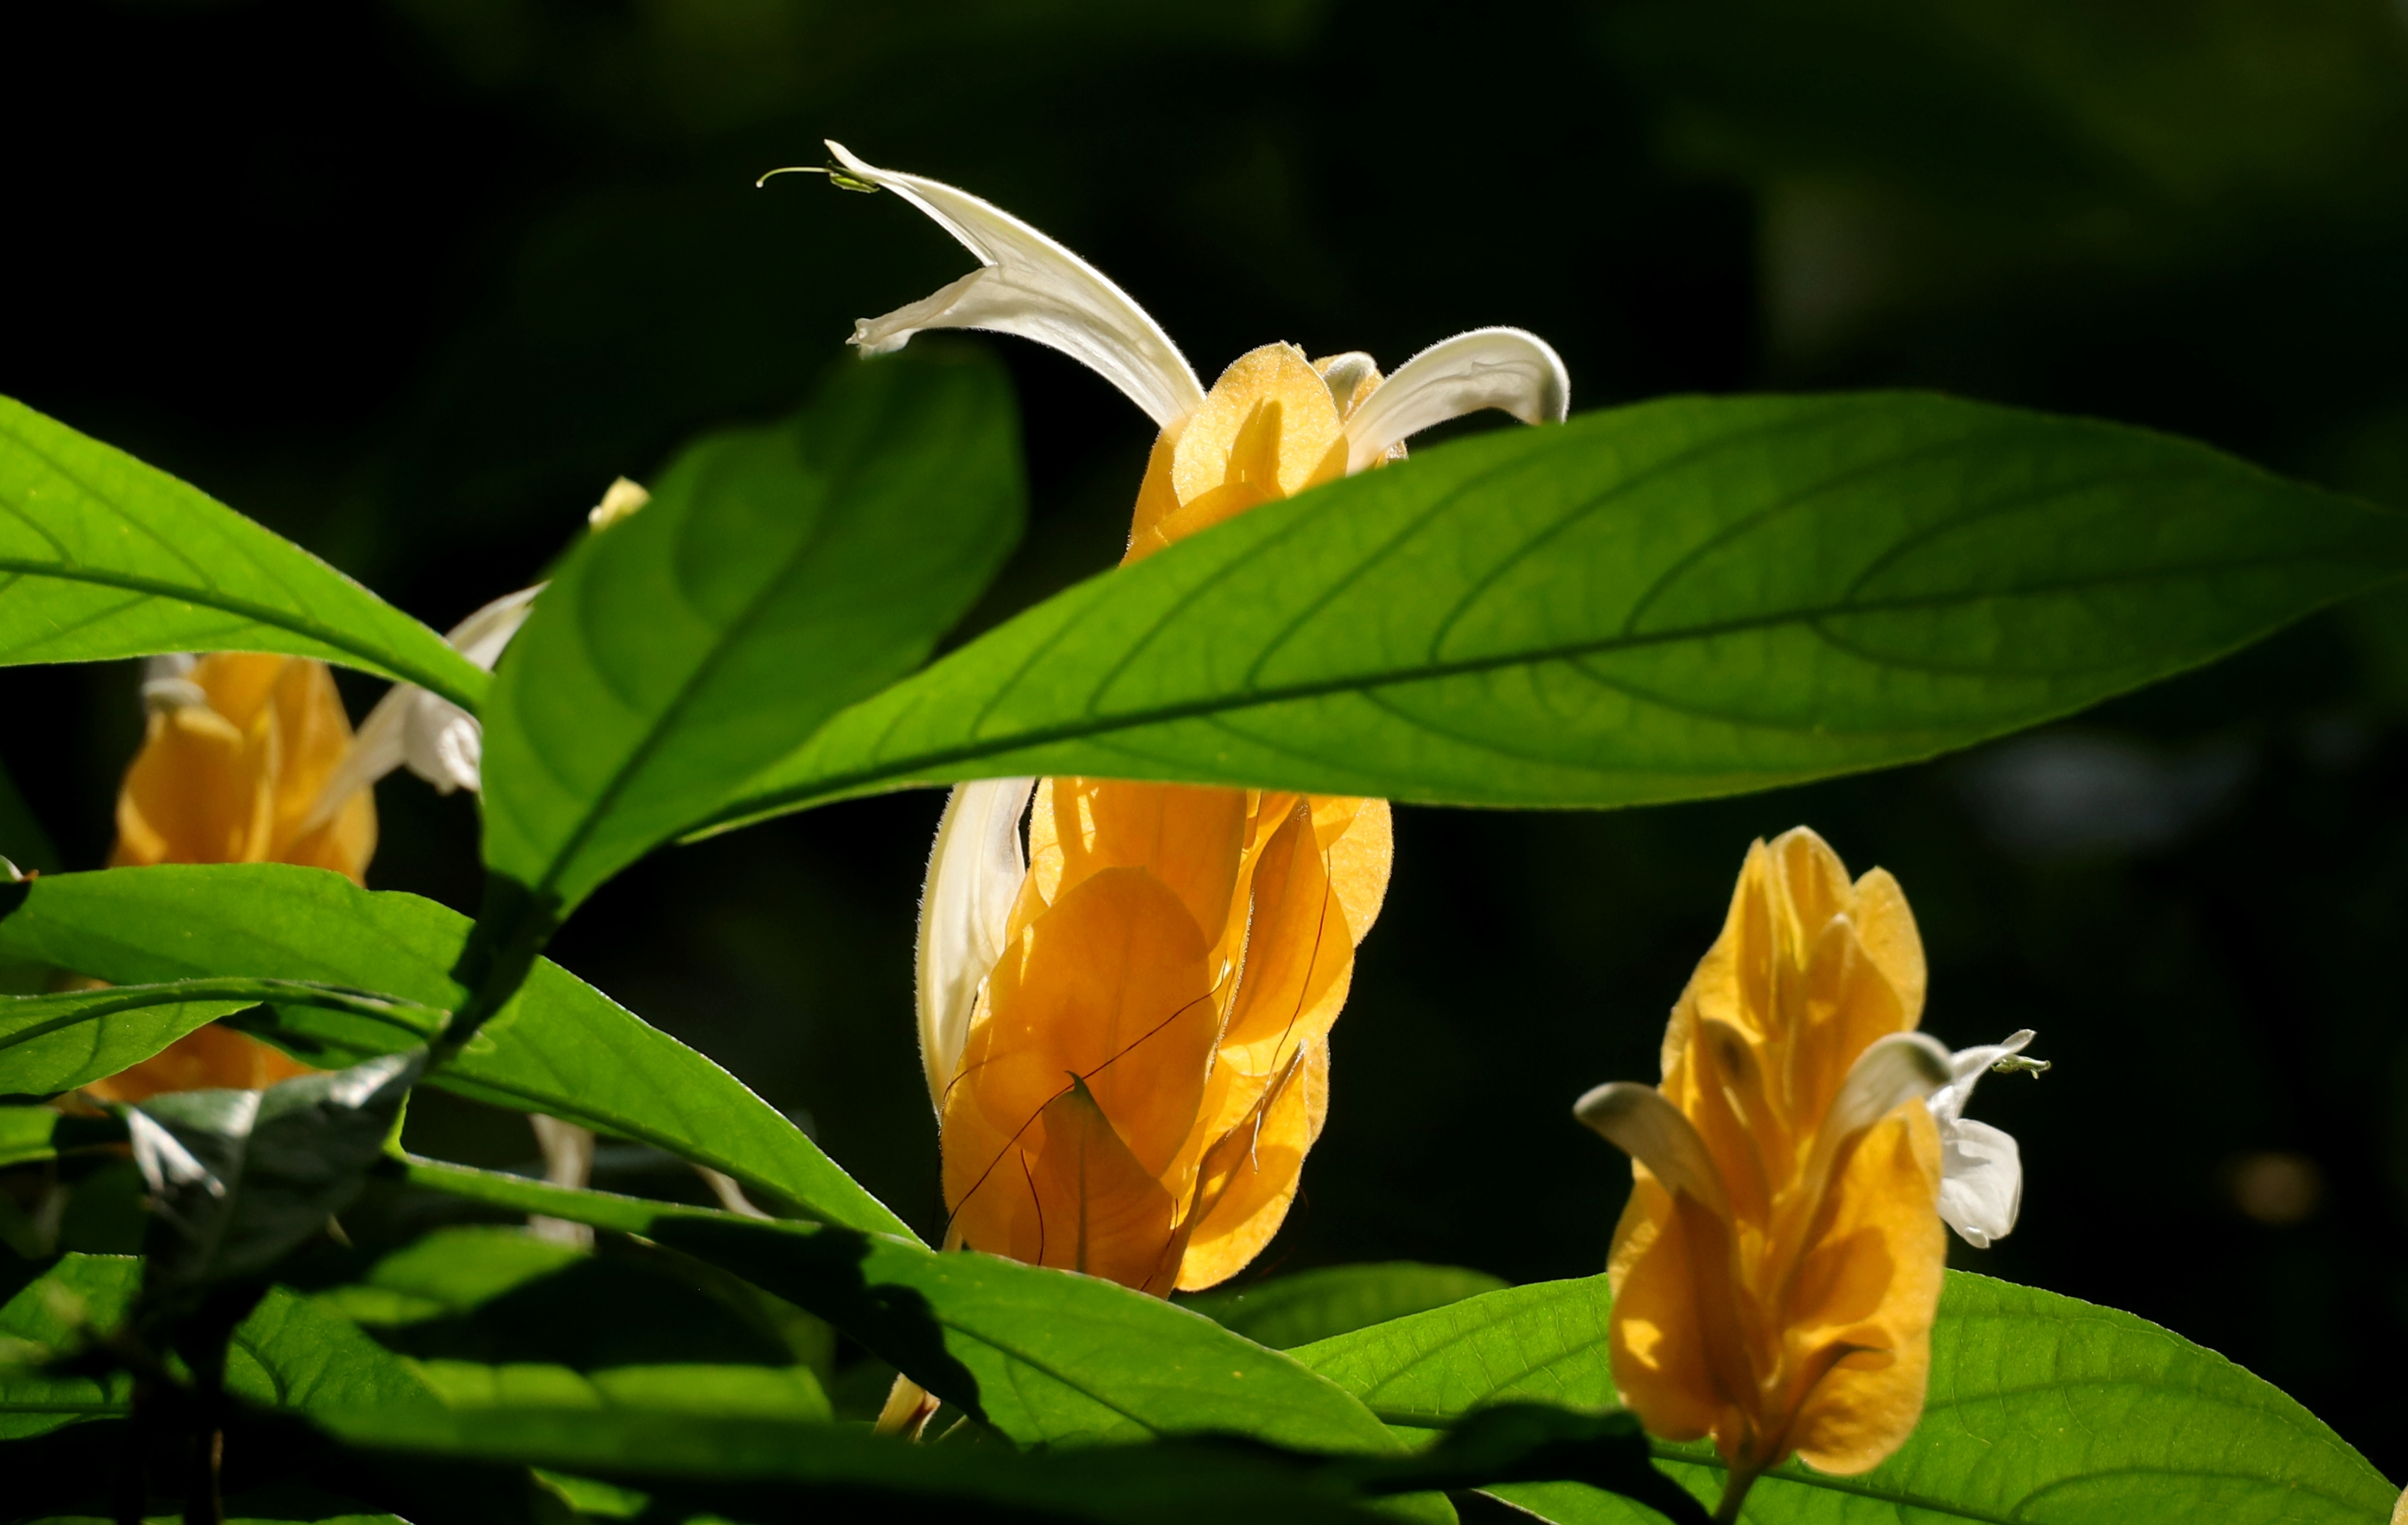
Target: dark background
(412,282)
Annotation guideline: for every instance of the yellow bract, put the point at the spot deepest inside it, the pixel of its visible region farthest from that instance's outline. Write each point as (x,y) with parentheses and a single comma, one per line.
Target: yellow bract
(1794,1317)
(229,773)
(1149,1061)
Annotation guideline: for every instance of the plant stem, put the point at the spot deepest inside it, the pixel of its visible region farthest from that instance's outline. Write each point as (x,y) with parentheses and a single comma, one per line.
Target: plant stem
(1735,1486)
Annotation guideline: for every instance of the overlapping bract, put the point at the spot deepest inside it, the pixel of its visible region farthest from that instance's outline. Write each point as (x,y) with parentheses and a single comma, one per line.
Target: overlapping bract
(1778,1266)
(238,753)
(1126,1033)
(1148,1062)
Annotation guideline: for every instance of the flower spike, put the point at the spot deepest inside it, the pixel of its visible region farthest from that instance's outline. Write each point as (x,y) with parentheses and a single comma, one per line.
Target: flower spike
(1033,287)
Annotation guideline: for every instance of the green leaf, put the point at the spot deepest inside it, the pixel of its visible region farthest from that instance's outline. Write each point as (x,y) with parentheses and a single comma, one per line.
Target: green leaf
(495,1316)
(754,1469)
(1312,1305)
(296,1352)
(47,1317)
(561,1047)
(102,556)
(289,1352)
(2043,1409)
(1541,1343)
(54,1042)
(1045,1357)
(1685,598)
(778,574)
(239,1178)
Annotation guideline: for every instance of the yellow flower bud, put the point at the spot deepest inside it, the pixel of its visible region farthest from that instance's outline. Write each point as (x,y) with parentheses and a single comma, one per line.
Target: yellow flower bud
(1777,1269)
(239,746)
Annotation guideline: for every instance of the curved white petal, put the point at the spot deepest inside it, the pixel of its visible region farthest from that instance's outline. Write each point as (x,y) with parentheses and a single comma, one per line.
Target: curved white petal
(1033,287)
(1966,1066)
(1641,1122)
(1488,367)
(974,873)
(432,736)
(1981,1181)
(483,635)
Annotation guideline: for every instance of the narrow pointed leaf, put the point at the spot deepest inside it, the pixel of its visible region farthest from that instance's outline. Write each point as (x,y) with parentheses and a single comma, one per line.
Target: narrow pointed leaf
(1685,598)
(1043,1356)
(561,1047)
(54,1042)
(102,556)
(778,574)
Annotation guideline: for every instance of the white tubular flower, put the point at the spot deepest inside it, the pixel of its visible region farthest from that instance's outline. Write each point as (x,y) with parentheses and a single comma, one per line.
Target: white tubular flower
(974,872)
(1982,1172)
(1033,287)
(409,727)
(432,736)
(1488,367)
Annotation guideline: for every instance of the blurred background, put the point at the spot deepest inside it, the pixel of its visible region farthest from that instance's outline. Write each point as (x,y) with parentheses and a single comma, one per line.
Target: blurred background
(411,282)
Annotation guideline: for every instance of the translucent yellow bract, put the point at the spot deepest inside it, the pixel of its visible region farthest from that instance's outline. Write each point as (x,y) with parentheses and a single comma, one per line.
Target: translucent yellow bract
(1149,1063)
(230,771)
(1795,1317)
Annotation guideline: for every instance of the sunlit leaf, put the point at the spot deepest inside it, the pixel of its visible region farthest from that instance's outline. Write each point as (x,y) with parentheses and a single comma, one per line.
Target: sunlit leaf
(2041,1409)
(562,1047)
(1685,598)
(778,574)
(54,1042)
(1292,1310)
(1043,1356)
(102,556)
(290,1353)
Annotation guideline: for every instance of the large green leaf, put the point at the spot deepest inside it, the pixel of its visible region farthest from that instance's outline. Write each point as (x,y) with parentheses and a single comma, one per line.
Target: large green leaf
(289,1352)
(1042,1356)
(761,1469)
(778,574)
(1292,1310)
(2041,1409)
(495,1317)
(102,556)
(48,1318)
(54,1042)
(240,1178)
(561,1047)
(1684,598)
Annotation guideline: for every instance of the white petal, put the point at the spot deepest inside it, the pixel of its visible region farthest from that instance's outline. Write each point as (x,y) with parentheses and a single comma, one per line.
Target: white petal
(1033,287)
(167,684)
(1966,1066)
(436,738)
(1981,1181)
(1897,1069)
(1642,1124)
(1488,367)
(974,873)
(483,635)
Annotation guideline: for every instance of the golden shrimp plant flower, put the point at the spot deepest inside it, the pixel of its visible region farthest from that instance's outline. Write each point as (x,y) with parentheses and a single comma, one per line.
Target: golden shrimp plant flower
(1777,1269)
(1125,1025)
(238,750)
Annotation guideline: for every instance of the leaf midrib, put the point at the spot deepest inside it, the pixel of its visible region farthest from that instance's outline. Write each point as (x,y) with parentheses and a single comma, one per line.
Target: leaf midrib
(1371,682)
(333,637)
